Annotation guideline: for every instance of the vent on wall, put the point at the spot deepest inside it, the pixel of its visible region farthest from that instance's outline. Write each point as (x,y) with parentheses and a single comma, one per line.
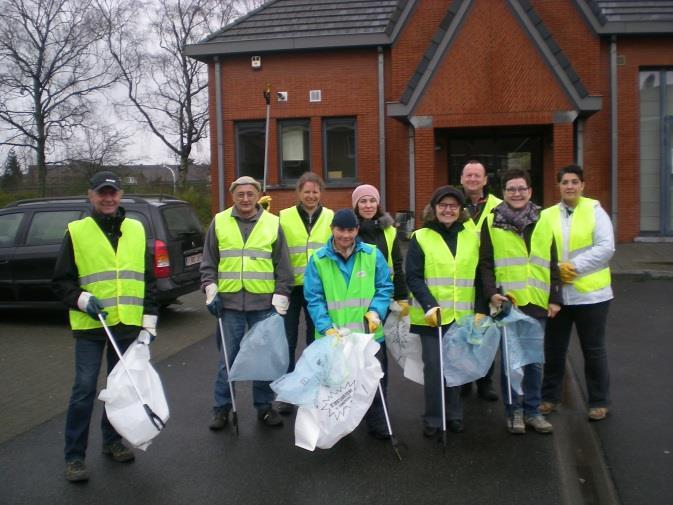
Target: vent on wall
(315,95)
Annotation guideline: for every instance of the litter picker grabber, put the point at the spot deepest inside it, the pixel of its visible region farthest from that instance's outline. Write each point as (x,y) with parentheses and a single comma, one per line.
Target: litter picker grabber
(154,419)
(234,414)
(393,440)
(441,376)
(504,310)
(267,99)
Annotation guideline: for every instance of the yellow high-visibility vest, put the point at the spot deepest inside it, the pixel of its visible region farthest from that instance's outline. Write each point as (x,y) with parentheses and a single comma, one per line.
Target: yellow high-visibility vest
(300,243)
(491,203)
(582,225)
(246,265)
(450,279)
(524,274)
(116,278)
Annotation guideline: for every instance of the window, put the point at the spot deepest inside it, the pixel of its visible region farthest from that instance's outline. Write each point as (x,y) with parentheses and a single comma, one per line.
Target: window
(49,227)
(339,149)
(294,149)
(250,148)
(9,225)
(182,222)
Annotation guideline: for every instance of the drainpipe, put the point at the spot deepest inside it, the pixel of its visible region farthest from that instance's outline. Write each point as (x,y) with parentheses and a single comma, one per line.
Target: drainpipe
(412,172)
(579,142)
(614,136)
(382,130)
(219,136)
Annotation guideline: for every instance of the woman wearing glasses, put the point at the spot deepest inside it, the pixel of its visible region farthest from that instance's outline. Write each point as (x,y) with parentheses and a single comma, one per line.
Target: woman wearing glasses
(441,266)
(518,258)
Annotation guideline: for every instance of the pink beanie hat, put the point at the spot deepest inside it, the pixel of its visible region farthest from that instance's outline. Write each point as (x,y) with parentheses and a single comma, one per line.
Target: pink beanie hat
(365,190)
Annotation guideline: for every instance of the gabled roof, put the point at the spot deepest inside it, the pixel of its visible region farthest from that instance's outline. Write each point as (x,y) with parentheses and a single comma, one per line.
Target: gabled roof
(537,31)
(284,25)
(628,17)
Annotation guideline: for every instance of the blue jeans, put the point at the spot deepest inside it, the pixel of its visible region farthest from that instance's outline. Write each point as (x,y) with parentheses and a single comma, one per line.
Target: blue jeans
(88,360)
(297,303)
(531,385)
(235,323)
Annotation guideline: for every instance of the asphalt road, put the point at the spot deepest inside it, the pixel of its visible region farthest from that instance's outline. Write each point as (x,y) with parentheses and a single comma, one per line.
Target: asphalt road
(189,464)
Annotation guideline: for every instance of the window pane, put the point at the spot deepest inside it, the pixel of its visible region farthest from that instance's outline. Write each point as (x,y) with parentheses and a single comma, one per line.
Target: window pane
(250,148)
(9,225)
(294,149)
(182,222)
(650,150)
(340,155)
(49,227)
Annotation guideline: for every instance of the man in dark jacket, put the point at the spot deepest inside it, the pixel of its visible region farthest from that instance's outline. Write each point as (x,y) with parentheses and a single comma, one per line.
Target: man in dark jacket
(103,267)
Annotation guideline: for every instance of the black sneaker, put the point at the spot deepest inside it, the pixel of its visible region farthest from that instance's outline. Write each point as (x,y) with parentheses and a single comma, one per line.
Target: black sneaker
(75,471)
(284,408)
(270,417)
(431,431)
(219,420)
(456,426)
(118,451)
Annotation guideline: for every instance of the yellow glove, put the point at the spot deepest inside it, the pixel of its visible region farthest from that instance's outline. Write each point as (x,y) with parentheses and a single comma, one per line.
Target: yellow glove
(431,316)
(512,298)
(567,272)
(373,321)
(404,305)
(265,202)
(332,332)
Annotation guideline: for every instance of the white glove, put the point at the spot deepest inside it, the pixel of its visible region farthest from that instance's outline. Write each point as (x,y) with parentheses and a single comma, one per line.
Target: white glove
(83,300)
(211,293)
(280,303)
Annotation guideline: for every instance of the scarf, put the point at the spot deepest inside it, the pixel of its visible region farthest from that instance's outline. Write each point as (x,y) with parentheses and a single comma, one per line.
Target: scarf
(506,218)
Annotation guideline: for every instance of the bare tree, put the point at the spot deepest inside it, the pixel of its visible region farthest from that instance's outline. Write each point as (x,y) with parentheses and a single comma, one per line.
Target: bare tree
(51,59)
(166,89)
(98,145)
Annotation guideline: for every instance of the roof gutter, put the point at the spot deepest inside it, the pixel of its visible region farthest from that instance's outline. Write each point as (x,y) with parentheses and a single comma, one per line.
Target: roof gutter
(219,135)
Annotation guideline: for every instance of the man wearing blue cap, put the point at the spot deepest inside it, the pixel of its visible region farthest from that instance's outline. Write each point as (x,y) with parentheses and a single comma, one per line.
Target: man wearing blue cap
(346,282)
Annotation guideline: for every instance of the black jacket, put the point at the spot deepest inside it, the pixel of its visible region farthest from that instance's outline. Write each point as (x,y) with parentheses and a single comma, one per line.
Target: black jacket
(65,281)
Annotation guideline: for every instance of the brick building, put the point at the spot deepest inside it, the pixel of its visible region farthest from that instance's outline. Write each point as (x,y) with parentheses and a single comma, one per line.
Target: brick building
(400,93)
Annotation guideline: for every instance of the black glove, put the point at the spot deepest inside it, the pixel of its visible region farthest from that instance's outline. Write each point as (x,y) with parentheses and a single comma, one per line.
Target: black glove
(215,307)
(95,307)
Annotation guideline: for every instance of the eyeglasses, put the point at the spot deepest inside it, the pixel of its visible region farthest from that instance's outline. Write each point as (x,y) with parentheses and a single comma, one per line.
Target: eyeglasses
(449,206)
(513,191)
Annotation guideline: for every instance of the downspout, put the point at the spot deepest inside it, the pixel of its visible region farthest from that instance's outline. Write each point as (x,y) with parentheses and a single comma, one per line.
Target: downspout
(579,143)
(219,136)
(382,130)
(412,172)
(614,137)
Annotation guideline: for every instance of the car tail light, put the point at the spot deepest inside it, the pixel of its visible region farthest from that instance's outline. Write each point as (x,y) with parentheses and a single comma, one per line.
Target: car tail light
(162,263)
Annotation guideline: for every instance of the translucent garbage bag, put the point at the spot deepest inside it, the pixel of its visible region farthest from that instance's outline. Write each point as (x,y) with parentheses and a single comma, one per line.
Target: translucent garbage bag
(347,381)
(525,344)
(403,346)
(263,355)
(469,347)
(128,413)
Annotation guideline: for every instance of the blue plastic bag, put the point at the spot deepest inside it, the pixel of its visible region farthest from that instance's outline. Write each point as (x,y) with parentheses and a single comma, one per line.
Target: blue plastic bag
(469,349)
(321,364)
(263,354)
(525,344)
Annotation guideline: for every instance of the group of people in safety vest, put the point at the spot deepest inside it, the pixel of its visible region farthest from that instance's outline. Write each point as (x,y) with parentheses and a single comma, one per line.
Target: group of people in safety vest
(344,269)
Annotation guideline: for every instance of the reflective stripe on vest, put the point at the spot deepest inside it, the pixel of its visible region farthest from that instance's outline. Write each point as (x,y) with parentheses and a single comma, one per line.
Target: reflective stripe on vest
(246,265)
(454,293)
(522,273)
(116,278)
(582,225)
(300,243)
(491,202)
(347,304)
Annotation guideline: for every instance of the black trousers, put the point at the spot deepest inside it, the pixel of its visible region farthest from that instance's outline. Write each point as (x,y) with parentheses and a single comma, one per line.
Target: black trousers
(589,321)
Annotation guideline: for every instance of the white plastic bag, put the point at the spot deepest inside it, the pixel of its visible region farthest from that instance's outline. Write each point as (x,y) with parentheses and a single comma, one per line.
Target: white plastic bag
(263,355)
(124,408)
(403,346)
(339,408)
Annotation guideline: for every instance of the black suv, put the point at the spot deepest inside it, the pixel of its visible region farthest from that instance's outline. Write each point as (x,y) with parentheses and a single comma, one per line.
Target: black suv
(31,232)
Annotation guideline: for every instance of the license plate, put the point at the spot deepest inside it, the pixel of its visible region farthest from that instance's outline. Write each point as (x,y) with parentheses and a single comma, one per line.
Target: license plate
(193,259)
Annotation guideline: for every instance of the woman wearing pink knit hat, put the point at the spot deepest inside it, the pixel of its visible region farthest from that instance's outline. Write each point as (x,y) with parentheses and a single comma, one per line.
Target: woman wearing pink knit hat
(376,228)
